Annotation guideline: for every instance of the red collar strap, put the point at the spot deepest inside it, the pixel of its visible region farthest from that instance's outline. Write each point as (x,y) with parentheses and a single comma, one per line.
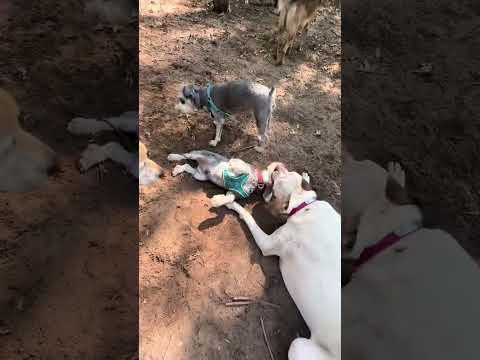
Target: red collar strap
(260,179)
(370,252)
(300,207)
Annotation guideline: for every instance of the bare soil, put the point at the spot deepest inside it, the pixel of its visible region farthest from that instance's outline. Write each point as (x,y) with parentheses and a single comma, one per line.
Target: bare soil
(63,293)
(428,121)
(194,259)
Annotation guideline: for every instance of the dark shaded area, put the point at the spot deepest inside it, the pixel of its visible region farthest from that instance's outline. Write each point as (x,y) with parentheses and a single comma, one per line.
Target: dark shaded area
(69,251)
(410,93)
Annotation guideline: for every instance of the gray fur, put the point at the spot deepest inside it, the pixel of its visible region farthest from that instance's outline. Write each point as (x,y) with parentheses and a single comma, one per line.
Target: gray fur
(211,166)
(232,98)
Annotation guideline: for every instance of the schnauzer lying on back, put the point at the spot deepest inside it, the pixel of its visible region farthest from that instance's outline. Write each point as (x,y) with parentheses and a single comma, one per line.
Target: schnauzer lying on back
(225,100)
(236,176)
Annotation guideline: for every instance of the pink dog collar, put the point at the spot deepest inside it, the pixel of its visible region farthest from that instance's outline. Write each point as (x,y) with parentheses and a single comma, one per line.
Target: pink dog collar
(371,251)
(300,207)
(260,180)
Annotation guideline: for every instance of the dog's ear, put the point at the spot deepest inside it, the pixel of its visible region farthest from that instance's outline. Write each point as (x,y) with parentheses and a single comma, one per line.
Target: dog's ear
(306,185)
(276,166)
(268,193)
(396,193)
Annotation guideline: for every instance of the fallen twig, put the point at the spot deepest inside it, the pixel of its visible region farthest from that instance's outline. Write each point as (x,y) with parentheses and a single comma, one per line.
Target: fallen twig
(266,339)
(242,298)
(238,303)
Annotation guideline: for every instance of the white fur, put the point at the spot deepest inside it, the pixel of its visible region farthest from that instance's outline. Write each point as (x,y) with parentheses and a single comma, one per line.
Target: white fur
(210,168)
(416,300)
(142,168)
(25,161)
(309,249)
(363,182)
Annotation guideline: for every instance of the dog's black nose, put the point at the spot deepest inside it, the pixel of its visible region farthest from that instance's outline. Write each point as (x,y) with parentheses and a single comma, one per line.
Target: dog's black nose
(182,100)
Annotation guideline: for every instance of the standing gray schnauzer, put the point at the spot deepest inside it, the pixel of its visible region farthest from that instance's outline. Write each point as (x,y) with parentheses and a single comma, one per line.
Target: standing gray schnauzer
(225,100)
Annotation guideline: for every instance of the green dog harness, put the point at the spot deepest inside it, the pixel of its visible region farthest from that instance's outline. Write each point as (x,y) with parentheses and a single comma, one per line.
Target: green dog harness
(211,105)
(235,184)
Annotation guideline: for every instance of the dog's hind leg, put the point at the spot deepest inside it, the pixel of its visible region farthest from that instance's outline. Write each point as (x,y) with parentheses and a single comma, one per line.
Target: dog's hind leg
(84,126)
(284,43)
(127,122)
(195,172)
(263,118)
(305,349)
(176,157)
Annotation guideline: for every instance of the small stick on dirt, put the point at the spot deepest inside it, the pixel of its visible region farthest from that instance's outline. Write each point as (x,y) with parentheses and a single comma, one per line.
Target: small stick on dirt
(238,303)
(241,149)
(242,298)
(266,339)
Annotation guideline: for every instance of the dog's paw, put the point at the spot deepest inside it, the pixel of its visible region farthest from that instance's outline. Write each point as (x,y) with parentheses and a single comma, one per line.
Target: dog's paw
(395,171)
(213,143)
(218,200)
(174,157)
(91,156)
(177,170)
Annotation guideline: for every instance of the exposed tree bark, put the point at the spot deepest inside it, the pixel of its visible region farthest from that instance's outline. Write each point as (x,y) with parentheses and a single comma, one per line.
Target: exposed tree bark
(221,6)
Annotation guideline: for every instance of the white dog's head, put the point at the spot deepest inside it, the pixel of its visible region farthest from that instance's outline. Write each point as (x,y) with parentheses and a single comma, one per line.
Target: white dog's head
(388,213)
(25,162)
(287,190)
(189,99)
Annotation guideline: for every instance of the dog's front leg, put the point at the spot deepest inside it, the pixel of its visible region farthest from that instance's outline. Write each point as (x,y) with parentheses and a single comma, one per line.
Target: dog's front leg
(220,200)
(268,244)
(127,122)
(218,121)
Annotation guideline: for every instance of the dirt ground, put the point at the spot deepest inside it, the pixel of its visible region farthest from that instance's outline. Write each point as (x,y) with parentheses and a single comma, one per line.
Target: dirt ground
(194,259)
(62,292)
(428,122)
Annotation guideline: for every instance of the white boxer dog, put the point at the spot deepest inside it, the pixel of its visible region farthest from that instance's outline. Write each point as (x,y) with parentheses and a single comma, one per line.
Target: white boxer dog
(309,247)
(414,292)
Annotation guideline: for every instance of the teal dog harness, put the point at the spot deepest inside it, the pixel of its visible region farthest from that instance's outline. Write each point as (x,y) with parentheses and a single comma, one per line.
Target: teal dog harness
(235,184)
(211,105)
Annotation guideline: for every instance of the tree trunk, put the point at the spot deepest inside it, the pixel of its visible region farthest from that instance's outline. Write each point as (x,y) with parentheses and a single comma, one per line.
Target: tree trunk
(221,6)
